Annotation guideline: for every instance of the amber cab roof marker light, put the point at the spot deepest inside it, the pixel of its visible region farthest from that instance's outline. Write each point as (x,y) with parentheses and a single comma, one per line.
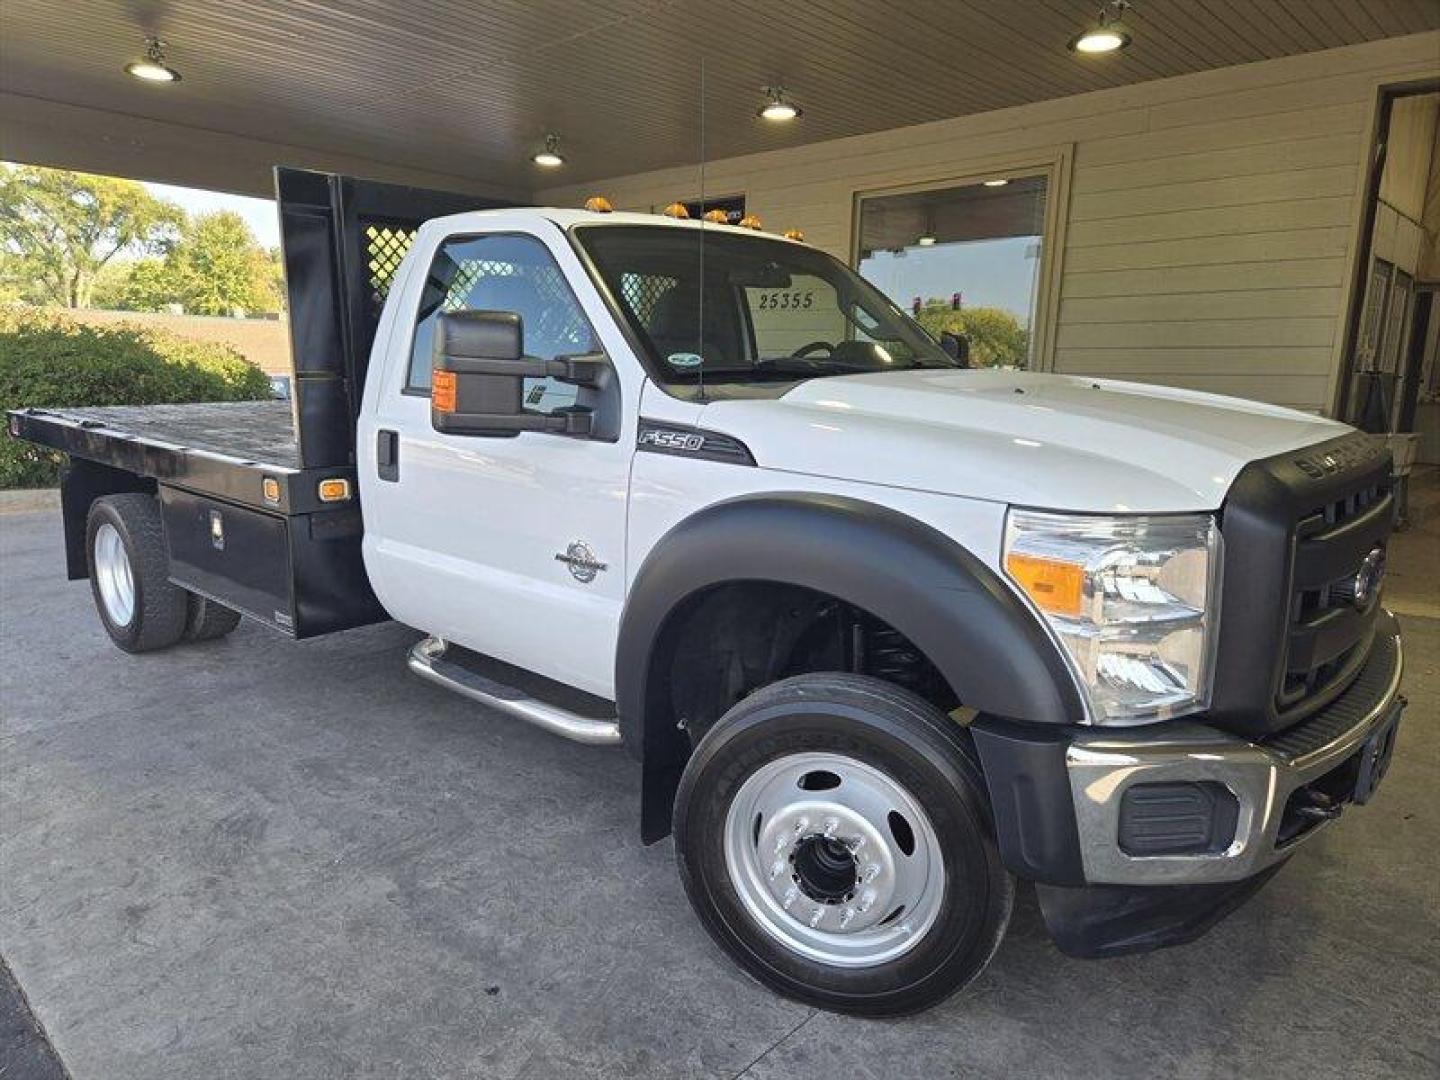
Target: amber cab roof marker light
(716,217)
(676,210)
(598,204)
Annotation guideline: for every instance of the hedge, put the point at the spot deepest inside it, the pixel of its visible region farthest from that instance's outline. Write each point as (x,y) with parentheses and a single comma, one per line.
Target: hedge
(49,359)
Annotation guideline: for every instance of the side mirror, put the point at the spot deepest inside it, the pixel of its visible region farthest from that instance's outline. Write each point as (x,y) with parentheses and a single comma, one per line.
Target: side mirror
(478,373)
(957,347)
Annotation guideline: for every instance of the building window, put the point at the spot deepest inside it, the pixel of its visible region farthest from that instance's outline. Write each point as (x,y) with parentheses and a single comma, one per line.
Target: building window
(966,257)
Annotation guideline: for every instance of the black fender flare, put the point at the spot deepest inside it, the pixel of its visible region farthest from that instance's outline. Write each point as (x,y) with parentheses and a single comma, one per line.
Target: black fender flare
(974,629)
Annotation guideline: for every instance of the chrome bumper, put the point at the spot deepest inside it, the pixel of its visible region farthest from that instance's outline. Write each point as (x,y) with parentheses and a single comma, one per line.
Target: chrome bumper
(1102,765)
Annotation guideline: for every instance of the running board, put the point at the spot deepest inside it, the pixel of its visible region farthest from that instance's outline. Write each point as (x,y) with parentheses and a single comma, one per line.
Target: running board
(428,660)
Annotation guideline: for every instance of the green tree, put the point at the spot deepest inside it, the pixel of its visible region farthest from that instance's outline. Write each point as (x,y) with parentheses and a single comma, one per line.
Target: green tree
(219,268)
(58,229)
(996,336)
(147,284)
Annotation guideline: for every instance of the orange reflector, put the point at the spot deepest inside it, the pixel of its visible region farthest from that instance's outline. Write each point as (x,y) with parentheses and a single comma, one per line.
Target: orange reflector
(795,234)
(717,217)
(598,204)
(270,487)
(1053,585)
(334,490)
(443,389)
(676,210)
(749,221)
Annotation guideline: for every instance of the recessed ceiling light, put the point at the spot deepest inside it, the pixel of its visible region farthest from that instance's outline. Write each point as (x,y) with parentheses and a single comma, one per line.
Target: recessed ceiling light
(778,107)
(153,68)
(928,240)
(550,157)
(997,182)
(1107,35)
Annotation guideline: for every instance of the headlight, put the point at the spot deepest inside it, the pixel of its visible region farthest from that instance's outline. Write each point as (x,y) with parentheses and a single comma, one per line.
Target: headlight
(1133,602)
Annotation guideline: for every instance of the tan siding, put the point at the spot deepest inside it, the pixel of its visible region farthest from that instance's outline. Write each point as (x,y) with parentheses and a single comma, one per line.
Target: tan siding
(1182,307)
(1210,224)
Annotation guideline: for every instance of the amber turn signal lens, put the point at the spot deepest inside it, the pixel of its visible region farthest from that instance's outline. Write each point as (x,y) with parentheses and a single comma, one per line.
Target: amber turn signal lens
(334,490)
(1055,586)
(443,389)
(270,488)
(598,204)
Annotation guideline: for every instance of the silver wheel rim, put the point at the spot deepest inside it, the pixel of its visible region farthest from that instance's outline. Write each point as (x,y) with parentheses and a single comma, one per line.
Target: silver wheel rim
(112,575)
(793,809)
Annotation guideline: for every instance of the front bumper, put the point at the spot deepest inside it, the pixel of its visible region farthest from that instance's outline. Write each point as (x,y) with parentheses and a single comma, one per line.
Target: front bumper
(1059,796)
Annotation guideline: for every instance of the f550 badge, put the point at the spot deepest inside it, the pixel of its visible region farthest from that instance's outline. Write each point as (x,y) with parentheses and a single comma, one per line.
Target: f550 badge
(672,440)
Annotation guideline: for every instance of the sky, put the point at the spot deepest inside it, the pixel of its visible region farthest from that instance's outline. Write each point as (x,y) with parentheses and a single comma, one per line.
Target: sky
(989,273)
(259,214)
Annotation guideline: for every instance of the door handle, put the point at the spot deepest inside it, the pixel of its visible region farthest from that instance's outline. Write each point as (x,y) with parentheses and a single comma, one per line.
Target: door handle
(387,454)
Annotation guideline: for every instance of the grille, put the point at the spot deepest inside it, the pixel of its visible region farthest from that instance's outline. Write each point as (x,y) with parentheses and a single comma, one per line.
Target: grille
(1360,698)
(1329,635)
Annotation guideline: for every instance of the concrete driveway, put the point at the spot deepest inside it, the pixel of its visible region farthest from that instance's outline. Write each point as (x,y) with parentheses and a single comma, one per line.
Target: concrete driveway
(254,858)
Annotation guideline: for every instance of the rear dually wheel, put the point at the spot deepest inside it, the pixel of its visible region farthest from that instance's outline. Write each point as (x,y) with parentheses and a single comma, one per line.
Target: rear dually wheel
(129,569)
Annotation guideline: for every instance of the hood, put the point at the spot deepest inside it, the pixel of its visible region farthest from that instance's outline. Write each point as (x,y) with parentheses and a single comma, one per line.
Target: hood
(1048,441)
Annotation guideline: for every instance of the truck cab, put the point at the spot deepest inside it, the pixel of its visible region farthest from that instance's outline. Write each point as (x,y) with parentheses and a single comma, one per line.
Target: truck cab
(886,633)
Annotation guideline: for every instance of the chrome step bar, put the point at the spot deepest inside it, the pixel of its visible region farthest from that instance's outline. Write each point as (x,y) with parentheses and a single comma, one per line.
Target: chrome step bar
(427,659)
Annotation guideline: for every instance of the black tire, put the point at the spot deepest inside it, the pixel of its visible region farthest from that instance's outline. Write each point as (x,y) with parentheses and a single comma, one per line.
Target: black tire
(916,746)
(206,620)
(159,609)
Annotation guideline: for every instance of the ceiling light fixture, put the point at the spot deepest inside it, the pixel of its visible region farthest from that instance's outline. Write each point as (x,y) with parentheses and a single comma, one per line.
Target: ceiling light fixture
(1107,35)
(928,240)
(778,108)
(153,68)
(550,157)
(999,181)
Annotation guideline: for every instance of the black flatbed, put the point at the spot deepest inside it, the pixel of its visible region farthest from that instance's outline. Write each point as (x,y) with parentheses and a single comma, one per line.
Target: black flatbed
(226,449)
(251,432)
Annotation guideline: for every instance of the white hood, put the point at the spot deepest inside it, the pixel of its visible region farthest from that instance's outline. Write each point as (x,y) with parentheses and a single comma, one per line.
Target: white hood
(1048,441)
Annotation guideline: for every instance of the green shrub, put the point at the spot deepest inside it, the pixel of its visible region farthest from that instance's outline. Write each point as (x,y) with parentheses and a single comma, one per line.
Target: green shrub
(50,360)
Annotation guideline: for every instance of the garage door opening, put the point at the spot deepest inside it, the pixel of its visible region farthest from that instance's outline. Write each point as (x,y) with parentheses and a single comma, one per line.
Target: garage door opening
(1391,384)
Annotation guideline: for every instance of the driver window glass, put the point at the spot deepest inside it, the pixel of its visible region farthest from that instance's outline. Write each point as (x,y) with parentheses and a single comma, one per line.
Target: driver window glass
(504,273)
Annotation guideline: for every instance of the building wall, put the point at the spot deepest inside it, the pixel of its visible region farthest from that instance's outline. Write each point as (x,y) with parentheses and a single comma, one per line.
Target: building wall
(1211,223)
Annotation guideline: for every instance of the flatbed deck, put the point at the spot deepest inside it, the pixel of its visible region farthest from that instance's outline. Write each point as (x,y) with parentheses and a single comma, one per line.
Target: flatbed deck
(250,432)
(225,449)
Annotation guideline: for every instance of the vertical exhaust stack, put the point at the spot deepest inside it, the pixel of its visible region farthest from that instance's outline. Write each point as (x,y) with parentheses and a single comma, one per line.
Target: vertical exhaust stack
(342,238)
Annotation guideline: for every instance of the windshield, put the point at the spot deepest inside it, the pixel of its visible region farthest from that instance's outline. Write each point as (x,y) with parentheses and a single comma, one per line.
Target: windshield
(749,315)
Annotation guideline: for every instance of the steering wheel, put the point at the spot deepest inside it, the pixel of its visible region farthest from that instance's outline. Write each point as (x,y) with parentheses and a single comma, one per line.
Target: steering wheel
(814,346)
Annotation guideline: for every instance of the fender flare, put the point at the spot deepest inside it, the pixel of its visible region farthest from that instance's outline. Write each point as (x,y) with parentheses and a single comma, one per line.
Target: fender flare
(974,629)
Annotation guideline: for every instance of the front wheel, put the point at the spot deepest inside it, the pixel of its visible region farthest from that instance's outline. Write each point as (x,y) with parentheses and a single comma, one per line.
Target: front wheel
(833,836)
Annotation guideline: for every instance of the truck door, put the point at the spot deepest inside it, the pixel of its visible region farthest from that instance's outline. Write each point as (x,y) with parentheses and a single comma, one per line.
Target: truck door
(513,547)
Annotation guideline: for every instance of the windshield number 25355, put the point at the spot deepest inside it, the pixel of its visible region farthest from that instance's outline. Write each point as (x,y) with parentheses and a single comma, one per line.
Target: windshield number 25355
(786,301)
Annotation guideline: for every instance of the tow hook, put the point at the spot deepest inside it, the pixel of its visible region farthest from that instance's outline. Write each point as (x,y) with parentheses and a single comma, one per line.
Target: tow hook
(1321,807)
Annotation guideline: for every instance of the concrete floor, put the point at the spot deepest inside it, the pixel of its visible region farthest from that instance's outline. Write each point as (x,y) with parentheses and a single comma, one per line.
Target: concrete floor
(255,859)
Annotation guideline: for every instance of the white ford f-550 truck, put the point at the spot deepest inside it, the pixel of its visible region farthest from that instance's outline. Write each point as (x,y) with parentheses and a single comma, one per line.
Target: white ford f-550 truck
(885,633)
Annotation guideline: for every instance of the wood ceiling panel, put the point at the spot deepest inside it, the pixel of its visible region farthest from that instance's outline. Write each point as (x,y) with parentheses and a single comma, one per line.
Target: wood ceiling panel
(471,88)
